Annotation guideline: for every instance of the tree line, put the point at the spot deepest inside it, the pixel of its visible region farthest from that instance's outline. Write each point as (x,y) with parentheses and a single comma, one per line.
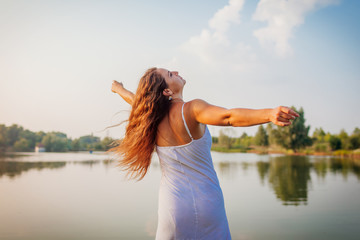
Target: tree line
(15,138)
(294,137)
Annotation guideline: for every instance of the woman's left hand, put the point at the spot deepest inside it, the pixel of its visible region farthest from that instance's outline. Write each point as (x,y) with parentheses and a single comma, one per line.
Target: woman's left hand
(282,115)
(116,86)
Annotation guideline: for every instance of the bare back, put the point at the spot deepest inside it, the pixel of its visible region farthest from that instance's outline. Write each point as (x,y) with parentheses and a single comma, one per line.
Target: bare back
(172,131)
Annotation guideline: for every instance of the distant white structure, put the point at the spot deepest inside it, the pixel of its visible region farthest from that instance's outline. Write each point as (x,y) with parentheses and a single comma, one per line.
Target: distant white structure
(39,148)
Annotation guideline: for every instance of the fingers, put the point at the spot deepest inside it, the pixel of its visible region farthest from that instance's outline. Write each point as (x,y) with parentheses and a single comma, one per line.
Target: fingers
(282,121)
(283,124)
(289,111)
(292,112)
(284,115)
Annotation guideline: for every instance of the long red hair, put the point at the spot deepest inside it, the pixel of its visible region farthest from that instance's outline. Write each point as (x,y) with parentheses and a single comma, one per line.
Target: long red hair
(149,107)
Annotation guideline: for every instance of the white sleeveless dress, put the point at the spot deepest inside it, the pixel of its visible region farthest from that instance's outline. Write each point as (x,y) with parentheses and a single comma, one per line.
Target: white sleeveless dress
(191,203)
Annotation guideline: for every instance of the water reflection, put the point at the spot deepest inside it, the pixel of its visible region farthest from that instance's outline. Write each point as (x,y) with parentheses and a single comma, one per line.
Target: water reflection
(13,169)
(83,196)
(228,169)
(89,163)
(288,177)
(345,167)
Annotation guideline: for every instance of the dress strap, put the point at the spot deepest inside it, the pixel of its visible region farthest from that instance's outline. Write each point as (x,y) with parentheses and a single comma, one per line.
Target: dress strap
(187,129)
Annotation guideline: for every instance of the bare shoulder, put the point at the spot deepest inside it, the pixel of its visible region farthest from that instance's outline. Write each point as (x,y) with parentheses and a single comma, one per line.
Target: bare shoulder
(197,104)
(206,113)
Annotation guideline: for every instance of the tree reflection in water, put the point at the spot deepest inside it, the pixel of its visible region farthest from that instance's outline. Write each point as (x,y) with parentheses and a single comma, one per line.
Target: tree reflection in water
(89,163)
(290,176)
(14,169)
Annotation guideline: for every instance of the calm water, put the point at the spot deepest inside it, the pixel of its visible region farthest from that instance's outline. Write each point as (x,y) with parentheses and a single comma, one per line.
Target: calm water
(83,196)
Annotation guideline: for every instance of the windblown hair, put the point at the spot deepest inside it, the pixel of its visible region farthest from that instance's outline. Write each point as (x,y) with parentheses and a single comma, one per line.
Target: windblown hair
(149,107)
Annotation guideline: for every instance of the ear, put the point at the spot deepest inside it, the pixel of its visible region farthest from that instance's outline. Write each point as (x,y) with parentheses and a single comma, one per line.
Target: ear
(167,92)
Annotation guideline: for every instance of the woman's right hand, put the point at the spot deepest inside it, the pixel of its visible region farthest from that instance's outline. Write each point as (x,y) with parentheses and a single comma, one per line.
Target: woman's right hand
(282,115)
(116,86)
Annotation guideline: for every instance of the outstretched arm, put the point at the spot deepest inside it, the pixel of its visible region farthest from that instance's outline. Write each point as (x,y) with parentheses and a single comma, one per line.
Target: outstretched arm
(240,117)
(118,87)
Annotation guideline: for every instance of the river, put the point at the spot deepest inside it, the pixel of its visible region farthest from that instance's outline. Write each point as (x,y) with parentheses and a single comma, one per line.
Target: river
(84,196)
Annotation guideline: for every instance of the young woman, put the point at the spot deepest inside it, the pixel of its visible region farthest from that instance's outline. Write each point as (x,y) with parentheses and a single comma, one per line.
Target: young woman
(191,203)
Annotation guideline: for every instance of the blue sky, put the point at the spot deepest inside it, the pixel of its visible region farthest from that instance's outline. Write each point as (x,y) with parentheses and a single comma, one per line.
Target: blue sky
(58,58)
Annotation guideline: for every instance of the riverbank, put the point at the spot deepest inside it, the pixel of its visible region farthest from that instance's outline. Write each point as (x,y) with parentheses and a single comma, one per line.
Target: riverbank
(257,150)
(304,152)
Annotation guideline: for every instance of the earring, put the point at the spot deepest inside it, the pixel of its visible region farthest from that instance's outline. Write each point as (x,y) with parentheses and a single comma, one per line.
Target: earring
(170,98)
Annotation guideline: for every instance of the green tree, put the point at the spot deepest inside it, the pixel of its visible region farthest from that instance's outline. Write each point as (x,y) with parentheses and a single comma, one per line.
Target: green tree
(30,137)
(39,136)
(294,136)
(261,138)
(13,134)
(106,143)
(75,145)
(225,138)
(16,138)
(345,140)
(2,138)
(22,145)
(319,135)
(244,141)
(55,142)
(355,139)
(271,132)
(335,142)
(88,142)
(356,131)
(319,140)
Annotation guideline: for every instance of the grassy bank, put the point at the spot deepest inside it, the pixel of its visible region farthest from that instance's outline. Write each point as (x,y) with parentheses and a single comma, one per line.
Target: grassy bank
(270,150)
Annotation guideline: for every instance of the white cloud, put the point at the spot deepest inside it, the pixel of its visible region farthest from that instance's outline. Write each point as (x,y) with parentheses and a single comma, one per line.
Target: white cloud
(212,45)
(282,17)
(222,18)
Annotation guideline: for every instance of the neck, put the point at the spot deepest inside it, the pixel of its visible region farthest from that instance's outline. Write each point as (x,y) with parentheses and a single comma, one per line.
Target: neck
(177,97)
(177,100)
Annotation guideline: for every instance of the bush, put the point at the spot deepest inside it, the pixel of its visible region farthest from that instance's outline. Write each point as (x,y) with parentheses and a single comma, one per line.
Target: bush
(321,147)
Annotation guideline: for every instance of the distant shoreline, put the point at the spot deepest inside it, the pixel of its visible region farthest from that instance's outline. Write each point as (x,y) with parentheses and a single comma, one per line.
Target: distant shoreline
(337,153)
